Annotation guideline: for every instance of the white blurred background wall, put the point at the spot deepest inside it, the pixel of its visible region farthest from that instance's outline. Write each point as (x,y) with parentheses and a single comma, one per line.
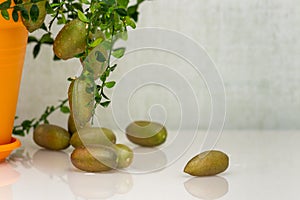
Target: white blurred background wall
(255,45)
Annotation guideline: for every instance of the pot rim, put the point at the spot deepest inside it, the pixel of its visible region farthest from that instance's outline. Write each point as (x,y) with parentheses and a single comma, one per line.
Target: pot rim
(5,149)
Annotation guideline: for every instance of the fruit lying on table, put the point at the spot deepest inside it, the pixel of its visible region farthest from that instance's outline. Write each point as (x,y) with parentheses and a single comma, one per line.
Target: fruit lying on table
(125,155)
(146,133)
(51,137)
(94,158)
(208,163)
(93,135)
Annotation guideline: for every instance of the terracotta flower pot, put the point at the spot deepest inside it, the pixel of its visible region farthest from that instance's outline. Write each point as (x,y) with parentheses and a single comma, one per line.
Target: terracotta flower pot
(13,40)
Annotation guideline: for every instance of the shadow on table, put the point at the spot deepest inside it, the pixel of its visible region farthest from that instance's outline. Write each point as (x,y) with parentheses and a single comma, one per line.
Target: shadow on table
(8,176)
(207,188)
(82,184)
(100,185)
(147,160)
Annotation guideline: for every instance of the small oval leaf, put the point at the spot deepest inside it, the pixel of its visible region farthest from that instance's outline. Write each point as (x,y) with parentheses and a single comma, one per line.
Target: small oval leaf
(5,14)
(15,15)
(110,84)
(118,53)
(82,17)
(34,12)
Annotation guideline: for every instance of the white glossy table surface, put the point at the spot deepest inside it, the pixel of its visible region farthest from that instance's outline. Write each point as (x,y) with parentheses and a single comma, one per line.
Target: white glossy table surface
(263,165)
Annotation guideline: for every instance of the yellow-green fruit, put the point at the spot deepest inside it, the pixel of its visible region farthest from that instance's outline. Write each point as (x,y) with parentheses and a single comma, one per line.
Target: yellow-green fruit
(34,25)
(146,133)
(94,158)
(81,99)
(70,93)
(71,40)
(92,64)
(125,155)
(208,163)
(51,137)
(93,135)
(71,124)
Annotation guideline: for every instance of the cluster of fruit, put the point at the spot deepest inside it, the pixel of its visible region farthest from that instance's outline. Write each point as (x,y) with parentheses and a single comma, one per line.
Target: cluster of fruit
(95,148)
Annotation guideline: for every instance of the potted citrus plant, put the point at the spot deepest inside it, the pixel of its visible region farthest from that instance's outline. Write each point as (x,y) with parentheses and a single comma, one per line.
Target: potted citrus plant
(89,30)
(13,36)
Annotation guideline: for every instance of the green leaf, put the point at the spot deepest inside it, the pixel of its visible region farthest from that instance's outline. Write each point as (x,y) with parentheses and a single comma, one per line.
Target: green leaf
(96,42)
(46,38)
(61,20)
(113,67)
(63,17)
(133,13)
(97,98)
(49,9)
(55,58)
(18,2)
(118,53)
(77,6)
(43,27)
(15,15)
(17,8)
(25,14)
(5,14)
(132,9)
(106,97)
(82,17)
(85,1)
(27,123)
(106,45)
(103,77)
(105,104)
(123,35)
(55,5)
(121,11)
(31,39)
(123,3)
(109,2)
(110,84)
(130,22)
(5,5)
(34,12)
(100,57)
(19,132)
(36,50)
(65,109)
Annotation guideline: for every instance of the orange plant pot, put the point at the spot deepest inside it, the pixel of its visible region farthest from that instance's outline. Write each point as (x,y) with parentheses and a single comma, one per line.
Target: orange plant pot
(13,40)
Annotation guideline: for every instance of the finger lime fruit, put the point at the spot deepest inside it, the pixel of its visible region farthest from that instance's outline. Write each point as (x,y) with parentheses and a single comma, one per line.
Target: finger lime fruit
(71,124)
(146,133)
(30,24)
(125,155)
(70,93)
(208,163)
(51,137)
(93,135)
(95,158)
(71,40)
(95,62)
(81,99)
